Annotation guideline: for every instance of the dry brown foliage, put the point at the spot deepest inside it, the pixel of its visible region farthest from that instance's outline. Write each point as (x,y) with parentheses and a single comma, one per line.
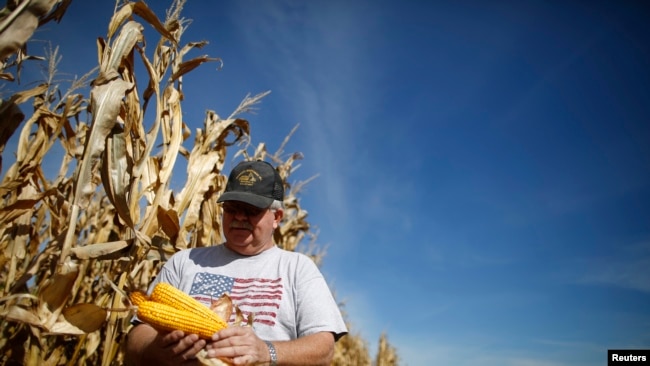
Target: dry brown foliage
(73,245)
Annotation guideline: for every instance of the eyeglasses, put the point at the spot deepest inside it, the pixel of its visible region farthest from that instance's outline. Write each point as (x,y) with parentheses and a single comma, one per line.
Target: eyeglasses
(247,210)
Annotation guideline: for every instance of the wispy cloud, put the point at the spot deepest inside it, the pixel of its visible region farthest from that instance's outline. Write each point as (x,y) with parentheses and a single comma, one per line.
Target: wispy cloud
(319,76)
(313,73)
(626,268)
(475,349)
(531,362)
(432,350)
(575,346)
(629,273)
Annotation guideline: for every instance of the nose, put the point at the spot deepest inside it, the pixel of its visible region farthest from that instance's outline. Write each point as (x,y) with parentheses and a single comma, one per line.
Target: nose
(240,214)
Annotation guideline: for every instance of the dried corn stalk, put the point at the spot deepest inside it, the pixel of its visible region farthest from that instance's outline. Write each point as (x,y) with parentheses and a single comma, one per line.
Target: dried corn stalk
(73,244)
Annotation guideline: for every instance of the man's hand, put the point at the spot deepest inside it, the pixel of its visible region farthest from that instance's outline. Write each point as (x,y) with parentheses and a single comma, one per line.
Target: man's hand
(176,347)
(239,344)
(147,346)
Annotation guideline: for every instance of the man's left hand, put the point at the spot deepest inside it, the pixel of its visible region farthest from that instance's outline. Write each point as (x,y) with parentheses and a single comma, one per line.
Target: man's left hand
(240,344)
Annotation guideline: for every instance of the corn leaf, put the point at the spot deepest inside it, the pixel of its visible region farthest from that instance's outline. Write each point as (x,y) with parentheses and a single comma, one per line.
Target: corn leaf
(19,25)
(116,174)
(142,10)
(57,290)
(100,250)
(86,317)
(19,314)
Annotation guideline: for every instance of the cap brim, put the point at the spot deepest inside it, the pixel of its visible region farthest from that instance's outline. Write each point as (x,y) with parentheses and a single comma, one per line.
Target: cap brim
(246,197)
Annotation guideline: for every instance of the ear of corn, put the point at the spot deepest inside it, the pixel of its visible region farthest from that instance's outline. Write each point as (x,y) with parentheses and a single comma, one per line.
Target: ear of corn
(168,318)
(138,297)
(167,294)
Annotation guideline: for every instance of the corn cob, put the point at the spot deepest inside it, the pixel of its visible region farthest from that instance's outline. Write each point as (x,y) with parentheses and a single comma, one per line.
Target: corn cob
(167,294)
(168,318)
(137,297)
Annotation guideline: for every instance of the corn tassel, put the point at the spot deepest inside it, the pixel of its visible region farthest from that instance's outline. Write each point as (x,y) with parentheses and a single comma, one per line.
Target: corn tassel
(167,294)
(168,318)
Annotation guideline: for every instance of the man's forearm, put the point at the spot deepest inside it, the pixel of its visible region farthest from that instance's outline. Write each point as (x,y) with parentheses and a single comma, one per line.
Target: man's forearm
(138,339)
(314,349)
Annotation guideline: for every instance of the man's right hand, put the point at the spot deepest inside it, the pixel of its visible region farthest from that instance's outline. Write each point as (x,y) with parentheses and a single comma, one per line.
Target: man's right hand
(147,346)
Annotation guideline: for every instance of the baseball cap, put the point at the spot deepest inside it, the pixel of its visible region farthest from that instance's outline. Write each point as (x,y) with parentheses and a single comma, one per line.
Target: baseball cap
(254,182)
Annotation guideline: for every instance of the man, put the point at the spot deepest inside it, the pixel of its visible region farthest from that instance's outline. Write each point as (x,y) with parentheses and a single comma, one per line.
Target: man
(296,320)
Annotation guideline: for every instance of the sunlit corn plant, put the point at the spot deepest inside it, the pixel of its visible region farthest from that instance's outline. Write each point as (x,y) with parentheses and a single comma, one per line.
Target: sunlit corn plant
(74,245)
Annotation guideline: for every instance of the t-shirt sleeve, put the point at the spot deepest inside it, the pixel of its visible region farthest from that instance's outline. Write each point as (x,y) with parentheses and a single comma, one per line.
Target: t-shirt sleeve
(167,274)
(170,271)
(316,309)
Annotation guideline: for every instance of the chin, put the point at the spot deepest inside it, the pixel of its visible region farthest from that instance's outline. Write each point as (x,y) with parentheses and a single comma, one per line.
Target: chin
(238,241)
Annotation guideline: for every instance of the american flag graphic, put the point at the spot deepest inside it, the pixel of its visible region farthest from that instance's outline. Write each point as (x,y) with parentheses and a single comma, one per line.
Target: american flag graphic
(260,296)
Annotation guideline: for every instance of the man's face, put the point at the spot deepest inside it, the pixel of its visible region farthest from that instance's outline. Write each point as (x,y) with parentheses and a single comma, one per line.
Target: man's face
(249,229)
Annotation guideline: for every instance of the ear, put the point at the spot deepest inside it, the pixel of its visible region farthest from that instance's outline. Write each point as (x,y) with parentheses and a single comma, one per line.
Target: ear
(277,217)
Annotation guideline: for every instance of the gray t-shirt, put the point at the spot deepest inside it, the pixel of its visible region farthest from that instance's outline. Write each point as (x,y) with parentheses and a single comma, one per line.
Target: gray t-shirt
(284,290)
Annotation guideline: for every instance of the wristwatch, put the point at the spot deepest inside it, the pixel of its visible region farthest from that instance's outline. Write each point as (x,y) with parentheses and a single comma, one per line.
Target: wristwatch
(272,353)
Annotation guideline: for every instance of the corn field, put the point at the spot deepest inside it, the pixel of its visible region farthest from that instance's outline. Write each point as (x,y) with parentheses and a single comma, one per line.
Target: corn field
(74,245)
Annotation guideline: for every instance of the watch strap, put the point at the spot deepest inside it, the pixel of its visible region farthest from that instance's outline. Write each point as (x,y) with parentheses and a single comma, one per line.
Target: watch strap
(272,353)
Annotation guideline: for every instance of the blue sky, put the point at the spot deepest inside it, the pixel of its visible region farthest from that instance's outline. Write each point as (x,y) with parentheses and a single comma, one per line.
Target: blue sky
(483,167)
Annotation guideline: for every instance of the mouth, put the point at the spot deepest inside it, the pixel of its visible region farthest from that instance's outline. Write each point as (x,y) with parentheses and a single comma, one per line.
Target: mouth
(241,226)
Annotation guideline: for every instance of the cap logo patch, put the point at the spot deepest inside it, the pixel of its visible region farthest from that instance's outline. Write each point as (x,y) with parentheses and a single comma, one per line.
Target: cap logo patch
(248,177)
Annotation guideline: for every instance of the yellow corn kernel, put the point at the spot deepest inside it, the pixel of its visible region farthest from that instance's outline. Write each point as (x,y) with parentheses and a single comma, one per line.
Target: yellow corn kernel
(137,297)
(168,318)
(167,294)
